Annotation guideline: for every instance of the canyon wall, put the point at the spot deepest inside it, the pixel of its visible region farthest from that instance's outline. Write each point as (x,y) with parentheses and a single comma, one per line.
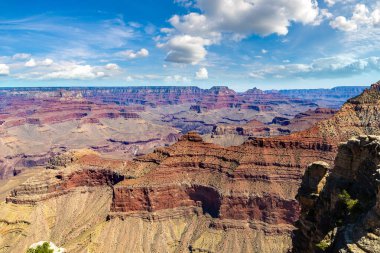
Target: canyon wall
(341,207)
(192,196)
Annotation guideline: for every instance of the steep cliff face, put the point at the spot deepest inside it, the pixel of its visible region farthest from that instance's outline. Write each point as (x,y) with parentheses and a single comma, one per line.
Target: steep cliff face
(179,199)
(341,209)
(359,115)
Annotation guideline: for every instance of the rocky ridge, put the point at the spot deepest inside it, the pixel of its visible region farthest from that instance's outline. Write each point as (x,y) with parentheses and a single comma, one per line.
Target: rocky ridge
(341,207)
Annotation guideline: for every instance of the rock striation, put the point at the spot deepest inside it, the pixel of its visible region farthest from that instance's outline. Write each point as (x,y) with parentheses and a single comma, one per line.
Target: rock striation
(192,196)
(341,207)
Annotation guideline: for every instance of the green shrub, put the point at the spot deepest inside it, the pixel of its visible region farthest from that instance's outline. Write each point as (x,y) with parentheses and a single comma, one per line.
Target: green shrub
(44,248)
(348,202)
(322,245)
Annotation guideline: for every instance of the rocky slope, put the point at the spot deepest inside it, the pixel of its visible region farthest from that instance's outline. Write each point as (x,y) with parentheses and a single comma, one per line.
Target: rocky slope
(341,207)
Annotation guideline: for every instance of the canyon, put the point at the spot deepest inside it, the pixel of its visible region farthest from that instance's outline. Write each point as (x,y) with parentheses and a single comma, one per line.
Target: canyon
(37,123)
(193,195)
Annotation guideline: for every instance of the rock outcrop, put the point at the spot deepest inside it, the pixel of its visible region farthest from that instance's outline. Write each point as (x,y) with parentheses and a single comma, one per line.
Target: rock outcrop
(341,207)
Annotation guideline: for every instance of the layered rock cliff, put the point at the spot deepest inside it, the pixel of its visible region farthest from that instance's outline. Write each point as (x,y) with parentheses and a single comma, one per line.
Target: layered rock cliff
(341,207)
(184,198)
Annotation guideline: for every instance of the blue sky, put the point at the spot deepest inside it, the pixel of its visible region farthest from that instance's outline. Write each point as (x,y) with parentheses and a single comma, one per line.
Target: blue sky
(270,44)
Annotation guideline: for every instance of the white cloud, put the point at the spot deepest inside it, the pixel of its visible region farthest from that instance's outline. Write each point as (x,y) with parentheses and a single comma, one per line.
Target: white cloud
(177,79)
(112,66)
(4,70)
(145,77)
(361,17)
(21,56)
(129,79)
(331,3)
(130,54)
(201,74)
(186,42)
(256,75)
(337,66)
(75,71)
(196,25)
(324,14)
(343,24)
(168,78)
(67,71)
(263,51)
(31,63)
(47,62)
(36,63)
(184,3)
(261,17)
(186,49)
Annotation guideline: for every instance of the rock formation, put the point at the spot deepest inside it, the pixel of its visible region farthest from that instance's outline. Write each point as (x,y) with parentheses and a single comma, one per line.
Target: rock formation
(341,207)
(192,196)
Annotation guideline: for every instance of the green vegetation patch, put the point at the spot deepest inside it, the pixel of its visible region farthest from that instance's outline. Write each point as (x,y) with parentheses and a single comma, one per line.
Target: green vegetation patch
(323,245)
(350,203)
(44,248)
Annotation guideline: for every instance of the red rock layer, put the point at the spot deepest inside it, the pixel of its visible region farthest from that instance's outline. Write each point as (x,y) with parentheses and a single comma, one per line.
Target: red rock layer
(52,111)
(244,182)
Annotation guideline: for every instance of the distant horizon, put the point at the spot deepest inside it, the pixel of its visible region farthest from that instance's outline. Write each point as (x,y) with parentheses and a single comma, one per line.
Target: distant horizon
(173,86)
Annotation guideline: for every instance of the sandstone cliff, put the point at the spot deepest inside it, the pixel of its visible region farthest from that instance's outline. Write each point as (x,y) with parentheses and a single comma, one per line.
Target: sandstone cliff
(184,198)
(341,208)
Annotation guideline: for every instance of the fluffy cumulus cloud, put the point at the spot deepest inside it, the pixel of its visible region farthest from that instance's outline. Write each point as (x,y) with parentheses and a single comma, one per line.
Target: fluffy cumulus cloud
(343,24)
(337,66)
(4,70)
(362,16)
(261,17)
(201,74)
(192,33)
(130,54)
(186,49)
(112,66)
